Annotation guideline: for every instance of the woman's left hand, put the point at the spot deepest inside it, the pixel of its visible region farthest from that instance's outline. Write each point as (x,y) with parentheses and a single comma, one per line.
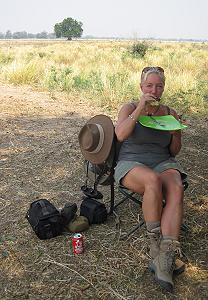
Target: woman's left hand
(174,132)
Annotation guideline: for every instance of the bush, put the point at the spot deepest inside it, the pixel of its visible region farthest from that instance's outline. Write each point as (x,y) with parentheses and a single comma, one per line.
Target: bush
(139,49)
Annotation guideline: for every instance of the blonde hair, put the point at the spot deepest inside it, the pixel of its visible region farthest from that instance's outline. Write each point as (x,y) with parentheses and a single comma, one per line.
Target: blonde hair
(149,70)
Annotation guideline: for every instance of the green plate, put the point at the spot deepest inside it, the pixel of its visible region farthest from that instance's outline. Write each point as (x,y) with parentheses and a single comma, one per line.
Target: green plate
(161,122)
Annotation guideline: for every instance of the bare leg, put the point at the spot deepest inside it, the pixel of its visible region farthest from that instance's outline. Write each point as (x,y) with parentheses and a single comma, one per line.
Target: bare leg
(172,213)
(144,181)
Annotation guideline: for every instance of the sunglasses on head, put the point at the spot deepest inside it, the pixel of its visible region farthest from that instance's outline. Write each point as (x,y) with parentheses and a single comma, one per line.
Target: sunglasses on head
(157,69)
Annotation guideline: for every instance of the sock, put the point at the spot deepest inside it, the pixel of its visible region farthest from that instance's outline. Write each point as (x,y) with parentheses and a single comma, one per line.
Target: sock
(169,237)
(152,225)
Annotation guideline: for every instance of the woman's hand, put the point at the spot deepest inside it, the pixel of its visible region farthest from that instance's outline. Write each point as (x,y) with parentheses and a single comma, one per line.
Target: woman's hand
(146,100)
(175,145)
(173,132)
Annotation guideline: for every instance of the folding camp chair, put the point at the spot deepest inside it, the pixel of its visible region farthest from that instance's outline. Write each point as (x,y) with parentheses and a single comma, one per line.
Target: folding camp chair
(127,194)
(105,171)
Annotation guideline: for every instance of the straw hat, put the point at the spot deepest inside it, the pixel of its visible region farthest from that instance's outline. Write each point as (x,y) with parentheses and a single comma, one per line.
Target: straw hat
(96,138)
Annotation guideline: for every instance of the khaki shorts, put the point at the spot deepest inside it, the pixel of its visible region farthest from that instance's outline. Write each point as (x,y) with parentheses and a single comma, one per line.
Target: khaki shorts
(124,166)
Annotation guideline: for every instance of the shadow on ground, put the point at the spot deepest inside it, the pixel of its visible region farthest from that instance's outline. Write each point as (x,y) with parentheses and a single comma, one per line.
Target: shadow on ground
(40,157)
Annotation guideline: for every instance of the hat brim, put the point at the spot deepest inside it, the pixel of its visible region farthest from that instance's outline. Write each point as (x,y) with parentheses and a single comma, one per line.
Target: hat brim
(108,128)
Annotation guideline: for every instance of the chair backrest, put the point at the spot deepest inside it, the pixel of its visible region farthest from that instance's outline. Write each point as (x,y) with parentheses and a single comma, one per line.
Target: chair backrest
(103,174)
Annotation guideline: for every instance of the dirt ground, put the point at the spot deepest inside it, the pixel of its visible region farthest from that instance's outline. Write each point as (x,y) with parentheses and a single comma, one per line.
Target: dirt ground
(40,158)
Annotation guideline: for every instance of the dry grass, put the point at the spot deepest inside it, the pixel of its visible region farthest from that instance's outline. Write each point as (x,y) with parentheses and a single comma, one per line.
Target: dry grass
(40,157)
(105,71)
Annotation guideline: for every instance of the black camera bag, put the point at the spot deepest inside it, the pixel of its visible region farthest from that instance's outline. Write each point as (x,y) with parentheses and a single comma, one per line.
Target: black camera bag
(44,219)
(93,210)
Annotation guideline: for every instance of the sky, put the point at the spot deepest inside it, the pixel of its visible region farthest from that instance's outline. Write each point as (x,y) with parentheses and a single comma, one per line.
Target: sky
(176,19)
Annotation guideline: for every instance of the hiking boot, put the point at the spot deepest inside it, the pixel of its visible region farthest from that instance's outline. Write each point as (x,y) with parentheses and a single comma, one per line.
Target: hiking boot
(164,264)
(154,245)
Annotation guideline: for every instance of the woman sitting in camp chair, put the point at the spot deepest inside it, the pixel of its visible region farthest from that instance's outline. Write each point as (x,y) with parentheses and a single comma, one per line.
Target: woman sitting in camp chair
(147,165)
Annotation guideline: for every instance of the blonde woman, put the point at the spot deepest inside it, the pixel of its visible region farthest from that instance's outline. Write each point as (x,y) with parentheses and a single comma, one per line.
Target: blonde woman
(147,165)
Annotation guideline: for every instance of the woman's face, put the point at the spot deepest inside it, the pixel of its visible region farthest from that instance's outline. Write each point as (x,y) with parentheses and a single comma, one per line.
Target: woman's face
(153,85)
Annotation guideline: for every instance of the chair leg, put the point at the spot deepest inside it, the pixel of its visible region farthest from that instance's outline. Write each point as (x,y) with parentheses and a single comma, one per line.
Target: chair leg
(139,225)
(112,198)
(128,195)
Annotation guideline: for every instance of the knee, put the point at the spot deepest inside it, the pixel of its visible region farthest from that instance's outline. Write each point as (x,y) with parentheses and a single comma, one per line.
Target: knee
(153,182)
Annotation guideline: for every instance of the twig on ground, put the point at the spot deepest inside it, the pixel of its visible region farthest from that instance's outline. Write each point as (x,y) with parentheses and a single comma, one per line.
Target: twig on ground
(66,266)
(200,176)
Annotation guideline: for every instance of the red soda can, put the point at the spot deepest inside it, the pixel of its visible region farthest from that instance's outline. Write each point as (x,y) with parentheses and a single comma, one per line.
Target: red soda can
(78,243)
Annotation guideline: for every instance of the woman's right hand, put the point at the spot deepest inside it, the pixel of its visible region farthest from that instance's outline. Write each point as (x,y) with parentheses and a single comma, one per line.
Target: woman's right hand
(146,100)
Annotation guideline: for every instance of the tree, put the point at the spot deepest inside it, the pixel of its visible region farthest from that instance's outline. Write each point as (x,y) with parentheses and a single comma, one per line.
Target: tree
(20,35)
(42,35)
(68,28)
(8,35)
(58,30)
(31,35)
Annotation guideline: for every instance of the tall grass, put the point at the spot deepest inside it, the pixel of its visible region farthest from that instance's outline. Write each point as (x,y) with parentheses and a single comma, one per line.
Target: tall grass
(108,72)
